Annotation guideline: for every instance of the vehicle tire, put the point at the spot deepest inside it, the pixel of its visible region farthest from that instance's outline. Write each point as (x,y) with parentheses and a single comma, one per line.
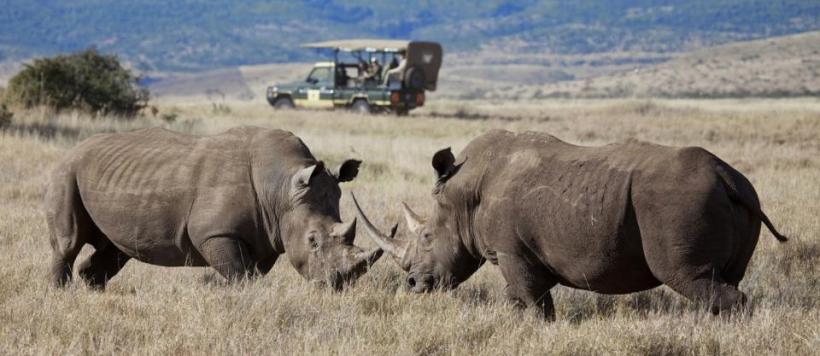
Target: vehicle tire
(283,103)
(402,112)
(414,78)
(360,106)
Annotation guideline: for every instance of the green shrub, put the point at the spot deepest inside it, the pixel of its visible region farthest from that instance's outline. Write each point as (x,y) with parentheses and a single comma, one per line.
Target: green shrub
(86,81)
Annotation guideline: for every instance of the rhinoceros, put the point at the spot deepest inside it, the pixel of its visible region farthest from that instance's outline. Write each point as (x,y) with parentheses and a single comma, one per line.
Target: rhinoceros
(233,201)
(614,219)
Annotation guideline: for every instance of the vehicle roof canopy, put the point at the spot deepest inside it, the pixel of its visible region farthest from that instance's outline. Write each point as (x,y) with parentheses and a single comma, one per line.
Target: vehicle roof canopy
(361,44)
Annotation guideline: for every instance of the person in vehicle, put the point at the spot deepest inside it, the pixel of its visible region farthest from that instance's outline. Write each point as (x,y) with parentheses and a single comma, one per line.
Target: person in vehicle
(395,74)
(362,72)
(341,76)
(374,71)
(393,63)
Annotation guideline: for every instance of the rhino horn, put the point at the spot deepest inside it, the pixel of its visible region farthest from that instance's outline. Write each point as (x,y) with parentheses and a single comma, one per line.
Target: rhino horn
(397,248)
(346,231)
(414,222)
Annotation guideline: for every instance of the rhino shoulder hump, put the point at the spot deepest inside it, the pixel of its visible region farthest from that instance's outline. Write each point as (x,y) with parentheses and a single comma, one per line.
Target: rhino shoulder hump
(539,136)
(264,135)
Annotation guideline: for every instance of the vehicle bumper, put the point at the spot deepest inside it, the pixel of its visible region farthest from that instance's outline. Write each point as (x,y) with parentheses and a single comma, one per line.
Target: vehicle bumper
(406,100)
(271,95)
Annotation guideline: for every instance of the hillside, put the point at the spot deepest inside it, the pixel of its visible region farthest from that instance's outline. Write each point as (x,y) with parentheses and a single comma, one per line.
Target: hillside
(195,35)
(775,67)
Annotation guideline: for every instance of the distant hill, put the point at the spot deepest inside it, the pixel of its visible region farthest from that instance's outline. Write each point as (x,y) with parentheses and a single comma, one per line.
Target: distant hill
(774,67)
(198,35)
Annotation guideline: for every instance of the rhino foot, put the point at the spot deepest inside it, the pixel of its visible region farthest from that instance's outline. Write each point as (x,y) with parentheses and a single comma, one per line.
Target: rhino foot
(716,295)
(60,271)
(102,265)
(528,285)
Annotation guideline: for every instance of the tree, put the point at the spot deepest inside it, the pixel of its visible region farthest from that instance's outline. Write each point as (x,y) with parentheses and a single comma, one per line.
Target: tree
(86,81)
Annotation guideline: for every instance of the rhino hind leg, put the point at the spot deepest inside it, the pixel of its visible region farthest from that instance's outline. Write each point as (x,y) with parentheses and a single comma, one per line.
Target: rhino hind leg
(228,256)
(102,265)
(528,284)
(69,224)
(717,295)
(747,234)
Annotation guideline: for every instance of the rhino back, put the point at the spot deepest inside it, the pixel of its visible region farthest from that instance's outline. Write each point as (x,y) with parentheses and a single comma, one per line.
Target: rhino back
(140,187)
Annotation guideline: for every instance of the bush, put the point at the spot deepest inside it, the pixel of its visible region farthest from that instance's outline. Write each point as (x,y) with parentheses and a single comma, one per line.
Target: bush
(86,81)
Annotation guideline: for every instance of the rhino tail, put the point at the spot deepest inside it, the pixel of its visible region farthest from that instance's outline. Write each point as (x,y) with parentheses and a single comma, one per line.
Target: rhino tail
(780,237)
(735,195)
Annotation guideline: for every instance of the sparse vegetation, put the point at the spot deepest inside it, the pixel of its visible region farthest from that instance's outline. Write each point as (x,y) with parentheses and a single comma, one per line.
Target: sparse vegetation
(86,81)
(5,115)
(169,117)
(157,310)
(220,108)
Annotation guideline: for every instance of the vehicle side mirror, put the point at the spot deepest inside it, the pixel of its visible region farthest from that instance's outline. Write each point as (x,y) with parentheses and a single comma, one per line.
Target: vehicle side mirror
(312,80)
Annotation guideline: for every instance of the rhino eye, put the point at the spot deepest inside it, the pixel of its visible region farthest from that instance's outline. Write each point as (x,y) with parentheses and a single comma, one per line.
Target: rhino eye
(426,236)
(312,242)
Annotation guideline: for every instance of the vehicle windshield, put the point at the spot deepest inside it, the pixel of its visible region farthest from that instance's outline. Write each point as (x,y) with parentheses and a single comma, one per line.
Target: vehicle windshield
(321,76)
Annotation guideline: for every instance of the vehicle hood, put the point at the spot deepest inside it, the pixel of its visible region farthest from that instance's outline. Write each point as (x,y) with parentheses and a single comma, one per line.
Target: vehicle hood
(289,86)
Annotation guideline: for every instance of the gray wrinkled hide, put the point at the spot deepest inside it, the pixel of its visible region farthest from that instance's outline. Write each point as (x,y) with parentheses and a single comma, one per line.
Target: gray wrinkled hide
(614,219)
(229,201)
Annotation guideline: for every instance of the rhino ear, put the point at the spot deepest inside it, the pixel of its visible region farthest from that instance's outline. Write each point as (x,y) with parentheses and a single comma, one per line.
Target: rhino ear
(347,170)
(303,177)
(444,163)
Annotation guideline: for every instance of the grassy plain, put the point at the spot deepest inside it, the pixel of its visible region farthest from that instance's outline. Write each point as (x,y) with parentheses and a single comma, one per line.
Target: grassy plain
(155,310)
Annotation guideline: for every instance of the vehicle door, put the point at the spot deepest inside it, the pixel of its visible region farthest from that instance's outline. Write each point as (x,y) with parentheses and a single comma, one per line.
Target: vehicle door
(318,93)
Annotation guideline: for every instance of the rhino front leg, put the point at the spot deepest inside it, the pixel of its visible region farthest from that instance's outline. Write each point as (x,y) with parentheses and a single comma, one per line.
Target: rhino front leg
(228,256)
(264,266)
(528,284)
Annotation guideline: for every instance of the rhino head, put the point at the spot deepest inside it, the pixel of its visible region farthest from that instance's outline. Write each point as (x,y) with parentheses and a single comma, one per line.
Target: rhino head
(435,254)
(318,244)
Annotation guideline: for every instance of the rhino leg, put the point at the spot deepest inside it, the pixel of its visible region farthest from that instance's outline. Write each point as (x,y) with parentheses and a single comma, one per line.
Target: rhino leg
(692,245)
(714,293)
(264,266)
(528,284)
(228,256)
(102,265)
(69,224)
(747,233)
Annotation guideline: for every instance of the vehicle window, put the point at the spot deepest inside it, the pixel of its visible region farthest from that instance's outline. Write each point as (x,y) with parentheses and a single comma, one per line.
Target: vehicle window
(322,75)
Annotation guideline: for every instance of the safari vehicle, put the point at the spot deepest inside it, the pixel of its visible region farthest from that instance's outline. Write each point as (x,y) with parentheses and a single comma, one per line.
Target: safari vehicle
(359,80)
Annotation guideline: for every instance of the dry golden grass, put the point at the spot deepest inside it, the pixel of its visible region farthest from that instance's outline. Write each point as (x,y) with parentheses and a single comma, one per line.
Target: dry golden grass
(155,310)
